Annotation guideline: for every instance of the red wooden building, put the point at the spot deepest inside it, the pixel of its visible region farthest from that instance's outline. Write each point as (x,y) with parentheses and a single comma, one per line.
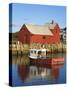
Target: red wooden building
(44,34)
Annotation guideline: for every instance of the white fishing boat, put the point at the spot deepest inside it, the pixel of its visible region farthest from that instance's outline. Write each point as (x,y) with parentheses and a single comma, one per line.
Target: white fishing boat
(37,53)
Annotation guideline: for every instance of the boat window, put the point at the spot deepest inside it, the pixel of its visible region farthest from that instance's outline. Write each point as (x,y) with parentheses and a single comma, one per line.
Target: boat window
(35,52)
(31,51)
(39,52)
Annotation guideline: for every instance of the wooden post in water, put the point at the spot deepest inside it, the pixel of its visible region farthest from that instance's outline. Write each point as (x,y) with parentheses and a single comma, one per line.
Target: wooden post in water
(62,47)
(51,48)
(21,46)
(57,47)
(16,49)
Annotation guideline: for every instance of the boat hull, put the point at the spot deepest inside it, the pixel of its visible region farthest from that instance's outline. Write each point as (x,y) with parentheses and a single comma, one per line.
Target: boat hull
(36,58)
(47,61)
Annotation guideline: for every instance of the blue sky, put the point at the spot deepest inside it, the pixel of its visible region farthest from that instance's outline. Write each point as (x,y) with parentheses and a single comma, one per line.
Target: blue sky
(36,14)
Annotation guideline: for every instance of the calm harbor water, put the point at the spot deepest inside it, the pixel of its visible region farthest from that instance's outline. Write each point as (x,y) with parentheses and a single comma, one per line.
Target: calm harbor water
(24,73)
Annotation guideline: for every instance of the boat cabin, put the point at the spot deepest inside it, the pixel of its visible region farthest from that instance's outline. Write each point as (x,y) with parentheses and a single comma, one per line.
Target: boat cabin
(37,53)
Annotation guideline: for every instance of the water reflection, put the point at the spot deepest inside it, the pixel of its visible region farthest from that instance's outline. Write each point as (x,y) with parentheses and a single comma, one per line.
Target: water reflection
(33,72)
(23,71)
(24,59)
(36,72)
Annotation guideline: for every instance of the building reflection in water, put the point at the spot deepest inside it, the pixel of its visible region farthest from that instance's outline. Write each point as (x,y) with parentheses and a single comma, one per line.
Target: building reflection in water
(28,72)
(24,59)
(36,72)
(23,71)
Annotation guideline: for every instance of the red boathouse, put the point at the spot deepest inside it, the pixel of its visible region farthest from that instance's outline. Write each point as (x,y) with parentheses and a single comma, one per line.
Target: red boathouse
(44,34)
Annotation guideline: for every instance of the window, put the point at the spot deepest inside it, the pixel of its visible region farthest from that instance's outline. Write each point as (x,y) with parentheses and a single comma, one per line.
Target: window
(31,51)
(35,52)
(44,37)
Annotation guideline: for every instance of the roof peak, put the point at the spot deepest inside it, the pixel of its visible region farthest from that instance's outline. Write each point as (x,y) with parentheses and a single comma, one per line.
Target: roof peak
(39,29)
(48,23)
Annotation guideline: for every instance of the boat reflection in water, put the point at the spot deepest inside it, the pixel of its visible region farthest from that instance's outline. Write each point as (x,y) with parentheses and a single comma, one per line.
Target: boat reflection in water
(34,72)
(49,71)
(39,71)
